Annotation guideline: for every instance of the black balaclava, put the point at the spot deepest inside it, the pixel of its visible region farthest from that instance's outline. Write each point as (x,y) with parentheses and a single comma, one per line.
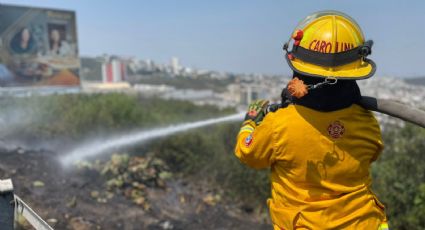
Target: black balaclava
(326,98)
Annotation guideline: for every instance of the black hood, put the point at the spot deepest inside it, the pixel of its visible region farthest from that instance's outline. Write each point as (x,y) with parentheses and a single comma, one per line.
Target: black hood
(326,98)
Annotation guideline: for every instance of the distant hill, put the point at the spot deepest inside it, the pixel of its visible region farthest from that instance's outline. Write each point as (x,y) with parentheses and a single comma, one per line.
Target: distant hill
(415,80)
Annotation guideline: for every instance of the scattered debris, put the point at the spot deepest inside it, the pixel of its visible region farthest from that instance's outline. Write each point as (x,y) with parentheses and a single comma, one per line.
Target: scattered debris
(79,223)
(52,222)
(211,199)
(94,194)
(38,183)
(180,202)
(166,225)
(72,202)
(182,199)
(130,176)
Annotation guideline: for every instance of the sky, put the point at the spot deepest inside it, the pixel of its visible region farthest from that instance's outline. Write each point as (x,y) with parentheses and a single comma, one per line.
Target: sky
(241,36)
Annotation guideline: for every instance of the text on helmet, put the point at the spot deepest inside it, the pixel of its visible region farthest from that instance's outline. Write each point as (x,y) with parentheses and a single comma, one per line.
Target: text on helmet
(326,47)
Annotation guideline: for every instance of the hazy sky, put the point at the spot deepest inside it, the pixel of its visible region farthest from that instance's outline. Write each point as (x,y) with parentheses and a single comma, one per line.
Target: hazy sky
(239,35)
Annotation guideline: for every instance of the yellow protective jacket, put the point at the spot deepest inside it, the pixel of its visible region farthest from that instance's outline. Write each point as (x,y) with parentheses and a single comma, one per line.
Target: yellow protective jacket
(320,165)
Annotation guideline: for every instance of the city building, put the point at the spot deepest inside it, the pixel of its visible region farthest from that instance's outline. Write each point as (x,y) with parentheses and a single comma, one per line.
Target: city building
(114,70)
(175,66)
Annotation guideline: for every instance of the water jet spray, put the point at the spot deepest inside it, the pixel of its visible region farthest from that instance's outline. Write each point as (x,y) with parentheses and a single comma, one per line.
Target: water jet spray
(95,148)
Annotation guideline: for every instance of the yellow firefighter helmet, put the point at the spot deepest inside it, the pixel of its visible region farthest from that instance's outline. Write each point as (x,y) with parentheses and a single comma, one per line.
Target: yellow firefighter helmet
(330,44)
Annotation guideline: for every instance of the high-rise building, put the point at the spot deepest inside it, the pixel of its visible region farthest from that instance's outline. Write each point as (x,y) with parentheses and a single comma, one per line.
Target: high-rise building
(175,66)
(114,71)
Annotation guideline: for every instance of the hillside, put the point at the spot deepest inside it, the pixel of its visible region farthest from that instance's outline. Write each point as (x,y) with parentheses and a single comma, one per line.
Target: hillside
(190,180)
(416,81)
(185,181)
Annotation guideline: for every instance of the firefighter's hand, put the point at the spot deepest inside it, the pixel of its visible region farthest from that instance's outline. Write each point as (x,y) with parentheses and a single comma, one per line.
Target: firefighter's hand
(257,111)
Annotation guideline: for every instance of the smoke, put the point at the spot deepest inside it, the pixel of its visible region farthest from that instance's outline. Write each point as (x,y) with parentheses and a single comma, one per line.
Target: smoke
(98,147)
(14,118)
(17,118)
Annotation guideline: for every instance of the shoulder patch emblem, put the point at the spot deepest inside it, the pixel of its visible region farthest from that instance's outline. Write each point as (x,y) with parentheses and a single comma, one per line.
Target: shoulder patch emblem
(248,140)
(336,129)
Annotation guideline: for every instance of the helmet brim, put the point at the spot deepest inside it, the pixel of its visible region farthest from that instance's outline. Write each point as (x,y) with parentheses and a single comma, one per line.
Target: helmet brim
(352,71)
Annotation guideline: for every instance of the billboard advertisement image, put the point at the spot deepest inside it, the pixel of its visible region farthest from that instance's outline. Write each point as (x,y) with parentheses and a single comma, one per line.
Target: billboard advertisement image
(38,47)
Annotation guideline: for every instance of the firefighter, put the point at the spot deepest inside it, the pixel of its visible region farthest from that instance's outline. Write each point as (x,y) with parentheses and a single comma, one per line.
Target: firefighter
(319,143)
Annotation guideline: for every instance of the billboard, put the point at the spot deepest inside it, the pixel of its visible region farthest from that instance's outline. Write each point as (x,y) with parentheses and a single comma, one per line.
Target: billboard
(38,47)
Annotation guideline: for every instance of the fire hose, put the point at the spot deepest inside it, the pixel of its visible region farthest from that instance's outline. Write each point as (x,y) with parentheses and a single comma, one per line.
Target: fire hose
(384,106)
(394,109)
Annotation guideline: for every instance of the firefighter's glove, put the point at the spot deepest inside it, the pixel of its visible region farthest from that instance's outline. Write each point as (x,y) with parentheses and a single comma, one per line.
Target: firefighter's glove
(257,110)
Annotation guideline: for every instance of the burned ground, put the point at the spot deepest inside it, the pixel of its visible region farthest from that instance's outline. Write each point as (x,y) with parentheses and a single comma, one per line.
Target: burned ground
(72,199)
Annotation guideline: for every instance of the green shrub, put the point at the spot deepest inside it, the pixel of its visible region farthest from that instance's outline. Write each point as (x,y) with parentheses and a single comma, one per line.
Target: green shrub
(207,154)
(79,115)
(399,177)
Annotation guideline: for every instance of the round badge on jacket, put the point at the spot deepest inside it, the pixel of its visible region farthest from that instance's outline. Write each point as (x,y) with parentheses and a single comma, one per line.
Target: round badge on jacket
(248,140)
(336,129)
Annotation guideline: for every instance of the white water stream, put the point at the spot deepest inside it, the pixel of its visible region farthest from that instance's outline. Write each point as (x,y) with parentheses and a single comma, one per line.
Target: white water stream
(98,147)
